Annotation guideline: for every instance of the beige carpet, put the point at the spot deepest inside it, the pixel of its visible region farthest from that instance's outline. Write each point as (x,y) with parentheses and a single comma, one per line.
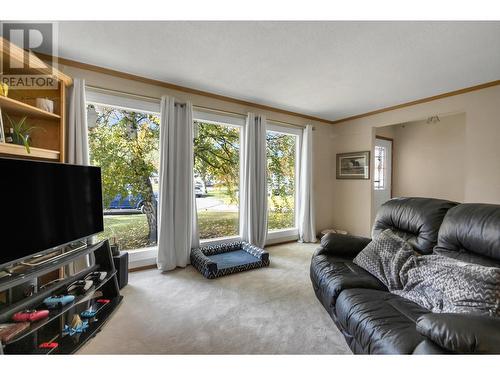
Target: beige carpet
(265,311)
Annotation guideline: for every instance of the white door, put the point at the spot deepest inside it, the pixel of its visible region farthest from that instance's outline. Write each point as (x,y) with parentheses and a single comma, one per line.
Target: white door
(382,173)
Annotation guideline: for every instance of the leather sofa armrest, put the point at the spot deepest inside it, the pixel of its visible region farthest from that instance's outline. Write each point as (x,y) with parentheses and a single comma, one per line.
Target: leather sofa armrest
(342,245)
(461,333)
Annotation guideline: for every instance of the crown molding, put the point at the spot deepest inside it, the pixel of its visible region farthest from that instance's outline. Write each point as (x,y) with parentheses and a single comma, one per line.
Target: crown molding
(419,101)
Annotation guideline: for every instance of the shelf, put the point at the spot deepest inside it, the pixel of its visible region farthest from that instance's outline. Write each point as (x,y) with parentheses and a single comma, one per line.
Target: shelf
(37,299)
(15,106)
(55,313)
(35,152)
(70,344)
(49,266)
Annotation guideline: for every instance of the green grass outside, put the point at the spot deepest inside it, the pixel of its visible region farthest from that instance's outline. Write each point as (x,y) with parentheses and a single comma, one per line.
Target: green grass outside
(131,231)
(273,203)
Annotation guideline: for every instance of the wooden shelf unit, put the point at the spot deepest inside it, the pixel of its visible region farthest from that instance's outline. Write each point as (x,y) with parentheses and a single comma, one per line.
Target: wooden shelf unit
(36,153)
(48,139)
(21,108)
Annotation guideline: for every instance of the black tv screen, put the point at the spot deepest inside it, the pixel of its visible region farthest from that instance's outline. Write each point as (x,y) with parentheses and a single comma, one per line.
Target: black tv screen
(45,205)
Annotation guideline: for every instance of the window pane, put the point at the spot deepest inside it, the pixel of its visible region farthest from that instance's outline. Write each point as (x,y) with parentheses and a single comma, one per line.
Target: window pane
(281,163)
(380,167)
(125,145)
(217,176)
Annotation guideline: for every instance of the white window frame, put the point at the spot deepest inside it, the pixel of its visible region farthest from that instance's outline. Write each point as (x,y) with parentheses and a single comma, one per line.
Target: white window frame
(288,234)
(122,101)
(230,120)
(215,117)
(144,256)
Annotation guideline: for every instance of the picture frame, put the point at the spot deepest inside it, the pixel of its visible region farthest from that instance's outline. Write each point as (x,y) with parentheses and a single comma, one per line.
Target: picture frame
(353,165)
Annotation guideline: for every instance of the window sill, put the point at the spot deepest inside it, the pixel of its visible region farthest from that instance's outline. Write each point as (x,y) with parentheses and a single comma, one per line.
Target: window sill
(142,257)
(282,235)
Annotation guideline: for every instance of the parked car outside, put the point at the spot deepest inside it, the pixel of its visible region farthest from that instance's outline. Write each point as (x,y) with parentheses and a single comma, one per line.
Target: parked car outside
(199,188)
(130,202)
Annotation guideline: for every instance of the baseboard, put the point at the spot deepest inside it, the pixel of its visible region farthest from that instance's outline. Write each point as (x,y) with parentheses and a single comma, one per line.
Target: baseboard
(143,268)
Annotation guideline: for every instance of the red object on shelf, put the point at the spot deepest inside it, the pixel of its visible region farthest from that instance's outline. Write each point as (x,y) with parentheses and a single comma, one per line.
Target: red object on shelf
(102,300)
(30,316)
(48,345)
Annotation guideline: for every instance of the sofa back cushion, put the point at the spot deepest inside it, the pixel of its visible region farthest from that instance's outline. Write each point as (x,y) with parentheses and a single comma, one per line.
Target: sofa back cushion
(416,220)
(472,227)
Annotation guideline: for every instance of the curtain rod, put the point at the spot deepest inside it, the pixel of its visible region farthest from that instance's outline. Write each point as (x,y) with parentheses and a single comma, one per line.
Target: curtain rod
(155,99)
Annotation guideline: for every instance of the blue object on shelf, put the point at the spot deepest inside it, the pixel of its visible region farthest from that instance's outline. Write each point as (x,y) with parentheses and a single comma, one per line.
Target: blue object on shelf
(56,302)
(87,314)
(80,328)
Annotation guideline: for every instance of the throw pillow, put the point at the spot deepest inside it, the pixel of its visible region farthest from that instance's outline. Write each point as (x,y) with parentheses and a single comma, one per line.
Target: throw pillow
(386,258)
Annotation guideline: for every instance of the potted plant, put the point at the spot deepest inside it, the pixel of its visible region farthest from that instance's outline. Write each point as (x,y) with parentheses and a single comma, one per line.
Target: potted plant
(21,132)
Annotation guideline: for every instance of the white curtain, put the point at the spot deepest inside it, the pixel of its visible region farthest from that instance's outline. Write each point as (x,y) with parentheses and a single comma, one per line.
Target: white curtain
(78,147)
(253,190)
(307,227)
(177,222)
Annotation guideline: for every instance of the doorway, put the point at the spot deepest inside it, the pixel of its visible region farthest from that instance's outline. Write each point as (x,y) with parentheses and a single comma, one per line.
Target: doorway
(382,176)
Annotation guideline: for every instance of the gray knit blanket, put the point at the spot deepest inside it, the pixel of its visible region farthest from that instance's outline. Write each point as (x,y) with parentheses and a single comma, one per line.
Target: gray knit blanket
(436,282)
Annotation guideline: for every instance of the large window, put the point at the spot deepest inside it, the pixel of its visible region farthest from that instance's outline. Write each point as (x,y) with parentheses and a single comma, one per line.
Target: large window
(125,144)
(282,167)
(217,178)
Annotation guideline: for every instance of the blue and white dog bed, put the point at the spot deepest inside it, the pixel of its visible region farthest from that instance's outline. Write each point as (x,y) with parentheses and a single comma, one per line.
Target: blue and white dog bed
(224,259)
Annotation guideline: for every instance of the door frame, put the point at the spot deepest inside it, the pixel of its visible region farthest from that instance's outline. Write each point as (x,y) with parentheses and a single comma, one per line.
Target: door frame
(392,158)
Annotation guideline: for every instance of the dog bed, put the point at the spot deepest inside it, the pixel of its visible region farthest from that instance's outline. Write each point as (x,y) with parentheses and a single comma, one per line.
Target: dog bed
(224,259)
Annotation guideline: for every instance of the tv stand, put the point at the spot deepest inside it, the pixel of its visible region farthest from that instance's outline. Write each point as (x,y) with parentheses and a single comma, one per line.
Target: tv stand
(51,329)
(42,259)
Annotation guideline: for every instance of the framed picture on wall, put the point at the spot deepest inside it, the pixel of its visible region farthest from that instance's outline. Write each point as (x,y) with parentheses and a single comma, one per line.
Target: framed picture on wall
(353,165)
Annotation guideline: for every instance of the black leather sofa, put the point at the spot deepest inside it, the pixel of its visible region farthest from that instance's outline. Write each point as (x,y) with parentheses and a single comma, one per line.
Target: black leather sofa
(374,321)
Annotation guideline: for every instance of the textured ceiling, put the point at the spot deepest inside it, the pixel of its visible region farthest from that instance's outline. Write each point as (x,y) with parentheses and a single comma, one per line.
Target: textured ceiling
(330,70)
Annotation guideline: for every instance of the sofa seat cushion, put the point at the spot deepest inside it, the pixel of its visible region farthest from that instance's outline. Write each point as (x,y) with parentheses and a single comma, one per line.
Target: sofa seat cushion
(379,322)
(331,275)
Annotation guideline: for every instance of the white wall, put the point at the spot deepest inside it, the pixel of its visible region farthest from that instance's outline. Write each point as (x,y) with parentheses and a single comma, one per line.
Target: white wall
(429,158)
(481,159)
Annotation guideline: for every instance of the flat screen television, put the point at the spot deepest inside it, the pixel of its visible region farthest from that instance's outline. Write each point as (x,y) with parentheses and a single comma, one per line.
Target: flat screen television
(45,205)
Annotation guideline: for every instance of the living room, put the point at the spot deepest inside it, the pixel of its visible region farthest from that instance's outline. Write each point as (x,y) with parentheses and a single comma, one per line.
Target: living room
(236,185)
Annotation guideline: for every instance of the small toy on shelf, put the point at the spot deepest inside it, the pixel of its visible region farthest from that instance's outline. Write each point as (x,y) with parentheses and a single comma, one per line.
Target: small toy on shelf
(56,302)
(48,345)
(30,315)
(80,287)
(77,326)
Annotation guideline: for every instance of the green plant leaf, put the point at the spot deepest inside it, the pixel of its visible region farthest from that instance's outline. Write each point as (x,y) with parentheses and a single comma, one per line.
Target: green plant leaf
(26,143)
